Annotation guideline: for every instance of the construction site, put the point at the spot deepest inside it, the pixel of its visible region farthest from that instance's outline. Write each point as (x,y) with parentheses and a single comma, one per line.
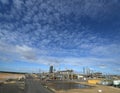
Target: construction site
(64,81)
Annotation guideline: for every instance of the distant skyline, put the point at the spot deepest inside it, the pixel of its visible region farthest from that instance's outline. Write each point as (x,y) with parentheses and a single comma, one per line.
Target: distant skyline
(68,34)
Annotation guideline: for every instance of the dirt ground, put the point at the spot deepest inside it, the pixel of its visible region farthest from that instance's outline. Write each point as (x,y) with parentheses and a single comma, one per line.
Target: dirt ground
(5,76)
(95,89)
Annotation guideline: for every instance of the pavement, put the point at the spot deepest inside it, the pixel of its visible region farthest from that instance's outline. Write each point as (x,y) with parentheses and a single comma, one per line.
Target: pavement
(34,86)
(29,85)
(10,88)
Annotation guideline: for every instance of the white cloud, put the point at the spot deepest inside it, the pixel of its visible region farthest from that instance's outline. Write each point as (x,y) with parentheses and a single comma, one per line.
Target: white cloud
(42,32)
(88,61)
(111,50)
(23,48)
(26,52)
(10,53)
(18,3)
(43,24)
(103,66)
(5,1)
(17,52)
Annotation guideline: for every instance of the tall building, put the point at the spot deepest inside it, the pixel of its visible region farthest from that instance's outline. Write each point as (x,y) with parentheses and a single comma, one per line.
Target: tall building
(51,69)
(84,71)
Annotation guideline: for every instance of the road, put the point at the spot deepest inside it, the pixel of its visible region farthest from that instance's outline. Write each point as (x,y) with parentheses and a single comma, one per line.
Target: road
(31,86)
(34,86)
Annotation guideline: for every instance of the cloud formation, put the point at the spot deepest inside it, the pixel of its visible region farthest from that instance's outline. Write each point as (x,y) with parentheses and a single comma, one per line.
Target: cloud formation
(56,32)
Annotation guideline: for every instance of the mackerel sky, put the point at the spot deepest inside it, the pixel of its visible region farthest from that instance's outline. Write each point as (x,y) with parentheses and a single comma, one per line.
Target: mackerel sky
(69,34)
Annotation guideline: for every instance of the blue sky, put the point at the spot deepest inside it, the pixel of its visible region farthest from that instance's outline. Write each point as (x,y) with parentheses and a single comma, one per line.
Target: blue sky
(69,34)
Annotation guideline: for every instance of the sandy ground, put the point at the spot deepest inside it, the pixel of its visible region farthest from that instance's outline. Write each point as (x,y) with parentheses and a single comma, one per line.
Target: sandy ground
(95,89)
(13,85)
(5,76)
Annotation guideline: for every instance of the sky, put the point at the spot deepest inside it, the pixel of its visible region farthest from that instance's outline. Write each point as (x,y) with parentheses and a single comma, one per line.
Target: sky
(68,34)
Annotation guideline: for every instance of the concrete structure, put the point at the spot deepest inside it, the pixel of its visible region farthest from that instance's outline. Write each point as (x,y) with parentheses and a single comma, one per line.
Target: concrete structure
(80,77)
(65,74)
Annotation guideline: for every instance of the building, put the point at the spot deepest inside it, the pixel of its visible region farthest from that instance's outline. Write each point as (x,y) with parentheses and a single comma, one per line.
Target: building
(97,75)
(65,74)
(51,69)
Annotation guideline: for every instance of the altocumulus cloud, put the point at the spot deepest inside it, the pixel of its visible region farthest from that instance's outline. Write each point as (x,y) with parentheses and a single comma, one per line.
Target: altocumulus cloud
(60,32)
